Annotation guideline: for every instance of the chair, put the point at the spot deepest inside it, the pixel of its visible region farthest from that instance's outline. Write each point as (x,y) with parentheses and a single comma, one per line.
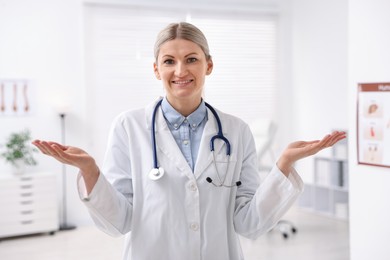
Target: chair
(264,132)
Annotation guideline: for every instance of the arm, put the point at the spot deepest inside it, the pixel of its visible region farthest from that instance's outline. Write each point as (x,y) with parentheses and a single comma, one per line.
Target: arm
(260,205)
(107,196)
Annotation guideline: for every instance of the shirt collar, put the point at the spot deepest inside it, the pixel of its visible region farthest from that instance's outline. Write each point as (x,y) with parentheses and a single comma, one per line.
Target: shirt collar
(175,119)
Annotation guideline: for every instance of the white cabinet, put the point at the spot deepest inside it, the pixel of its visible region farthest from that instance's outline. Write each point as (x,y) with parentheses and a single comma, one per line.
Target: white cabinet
(328,194)
(28,204)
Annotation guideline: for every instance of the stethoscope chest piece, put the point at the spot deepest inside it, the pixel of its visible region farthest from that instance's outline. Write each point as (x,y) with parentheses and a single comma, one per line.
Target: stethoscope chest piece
(156,173)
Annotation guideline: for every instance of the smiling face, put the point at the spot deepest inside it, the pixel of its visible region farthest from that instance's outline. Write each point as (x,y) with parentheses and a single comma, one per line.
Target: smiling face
(182,67)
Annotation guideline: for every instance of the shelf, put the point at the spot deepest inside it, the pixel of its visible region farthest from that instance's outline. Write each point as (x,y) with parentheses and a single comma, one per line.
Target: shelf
(329,194)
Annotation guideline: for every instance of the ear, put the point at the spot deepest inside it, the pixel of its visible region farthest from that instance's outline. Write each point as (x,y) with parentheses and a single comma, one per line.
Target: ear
(210,66)
(156,73)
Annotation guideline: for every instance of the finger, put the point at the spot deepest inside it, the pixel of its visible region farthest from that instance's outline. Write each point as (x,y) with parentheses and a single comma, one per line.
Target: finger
(68,158)
(64,157)
(47,149)
(331,139)
(336,136)
(324,141)
(50,149)
(63,147)
(41,147)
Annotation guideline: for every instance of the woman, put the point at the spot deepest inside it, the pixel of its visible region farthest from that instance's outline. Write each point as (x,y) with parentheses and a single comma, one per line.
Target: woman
(207,190)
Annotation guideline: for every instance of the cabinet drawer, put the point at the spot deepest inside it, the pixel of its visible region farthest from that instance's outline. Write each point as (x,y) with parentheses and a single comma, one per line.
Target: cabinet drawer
(29,227)
(27,216)
(28,204)
(15,181)
(16,187)
(16,210)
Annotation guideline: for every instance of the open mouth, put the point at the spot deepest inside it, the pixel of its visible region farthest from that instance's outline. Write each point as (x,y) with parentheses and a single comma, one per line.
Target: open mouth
(182,82)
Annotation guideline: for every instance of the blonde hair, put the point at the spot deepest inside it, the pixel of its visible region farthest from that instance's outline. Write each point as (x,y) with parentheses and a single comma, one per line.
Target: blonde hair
(182,30)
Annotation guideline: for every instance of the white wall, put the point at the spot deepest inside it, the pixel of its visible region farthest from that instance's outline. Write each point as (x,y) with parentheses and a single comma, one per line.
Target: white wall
(319,71)
(369,61)
(41,41)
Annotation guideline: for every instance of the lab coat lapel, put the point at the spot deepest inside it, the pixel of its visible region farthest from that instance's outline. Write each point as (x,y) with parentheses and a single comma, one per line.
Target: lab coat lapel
(166,144)
(205,156)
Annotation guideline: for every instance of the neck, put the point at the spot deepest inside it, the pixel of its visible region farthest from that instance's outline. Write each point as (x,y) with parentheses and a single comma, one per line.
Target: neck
(186,107)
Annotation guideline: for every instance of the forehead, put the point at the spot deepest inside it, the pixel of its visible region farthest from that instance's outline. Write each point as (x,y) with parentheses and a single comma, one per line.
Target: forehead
(179,47)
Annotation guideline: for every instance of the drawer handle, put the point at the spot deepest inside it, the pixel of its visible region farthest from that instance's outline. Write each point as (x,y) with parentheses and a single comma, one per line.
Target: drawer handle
(26,186)
(26,222)
(27,194)
(27,212)
(26,202)
(26,178)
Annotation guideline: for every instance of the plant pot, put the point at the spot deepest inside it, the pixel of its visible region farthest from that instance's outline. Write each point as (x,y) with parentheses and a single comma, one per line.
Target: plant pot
(19,167)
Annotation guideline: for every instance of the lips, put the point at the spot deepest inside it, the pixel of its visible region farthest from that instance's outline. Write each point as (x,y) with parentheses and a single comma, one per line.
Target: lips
(182,82)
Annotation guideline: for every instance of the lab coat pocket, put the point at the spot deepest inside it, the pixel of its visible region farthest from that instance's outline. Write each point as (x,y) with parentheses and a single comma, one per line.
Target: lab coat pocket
(222,169)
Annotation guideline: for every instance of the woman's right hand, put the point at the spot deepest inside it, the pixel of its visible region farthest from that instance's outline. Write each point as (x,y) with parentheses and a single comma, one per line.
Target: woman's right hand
(73,156)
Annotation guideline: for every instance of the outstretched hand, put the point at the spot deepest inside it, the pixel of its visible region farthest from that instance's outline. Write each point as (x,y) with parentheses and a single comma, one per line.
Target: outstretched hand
(301,149)
(67,154)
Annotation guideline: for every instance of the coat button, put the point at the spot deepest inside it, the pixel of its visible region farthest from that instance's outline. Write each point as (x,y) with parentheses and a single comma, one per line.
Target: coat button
(193,187)
(194,226)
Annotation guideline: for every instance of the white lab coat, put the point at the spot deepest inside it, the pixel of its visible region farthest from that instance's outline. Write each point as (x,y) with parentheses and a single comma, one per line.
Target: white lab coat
(182,216)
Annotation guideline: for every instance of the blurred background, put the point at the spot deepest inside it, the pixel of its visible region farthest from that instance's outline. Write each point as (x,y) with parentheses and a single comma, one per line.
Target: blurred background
(289,68)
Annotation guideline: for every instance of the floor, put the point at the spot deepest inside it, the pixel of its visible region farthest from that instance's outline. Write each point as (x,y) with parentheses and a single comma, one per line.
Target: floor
(318,237)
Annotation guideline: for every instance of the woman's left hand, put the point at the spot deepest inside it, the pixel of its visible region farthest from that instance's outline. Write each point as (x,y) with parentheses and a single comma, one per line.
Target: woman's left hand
(301,149)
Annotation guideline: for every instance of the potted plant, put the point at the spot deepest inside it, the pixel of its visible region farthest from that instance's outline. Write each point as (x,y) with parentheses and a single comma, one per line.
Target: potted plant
(18,151)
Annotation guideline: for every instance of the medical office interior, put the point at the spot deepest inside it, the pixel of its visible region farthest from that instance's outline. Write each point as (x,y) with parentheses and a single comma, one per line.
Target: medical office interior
(294,63)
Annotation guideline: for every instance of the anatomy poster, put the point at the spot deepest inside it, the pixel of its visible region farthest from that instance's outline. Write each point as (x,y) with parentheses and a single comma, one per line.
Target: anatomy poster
(374,124)
(15,97)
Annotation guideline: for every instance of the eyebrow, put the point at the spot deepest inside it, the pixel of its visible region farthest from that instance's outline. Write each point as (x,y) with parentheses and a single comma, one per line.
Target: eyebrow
(170,56)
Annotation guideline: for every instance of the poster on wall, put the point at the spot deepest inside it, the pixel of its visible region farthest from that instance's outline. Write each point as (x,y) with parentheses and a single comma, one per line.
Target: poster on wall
(16,97)
(373,124)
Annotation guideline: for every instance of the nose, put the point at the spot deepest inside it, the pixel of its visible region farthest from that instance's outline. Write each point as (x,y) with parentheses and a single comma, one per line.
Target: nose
(181,69)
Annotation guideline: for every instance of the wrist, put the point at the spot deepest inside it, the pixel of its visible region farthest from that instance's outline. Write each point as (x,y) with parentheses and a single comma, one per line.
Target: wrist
(284,166)
(90,171)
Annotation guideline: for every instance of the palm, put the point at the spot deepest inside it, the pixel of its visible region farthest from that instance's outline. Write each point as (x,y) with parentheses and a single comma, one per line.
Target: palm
(65,154)
(301,149)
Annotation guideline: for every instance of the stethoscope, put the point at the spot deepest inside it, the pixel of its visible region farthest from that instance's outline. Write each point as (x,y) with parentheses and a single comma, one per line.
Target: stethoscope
(158,172)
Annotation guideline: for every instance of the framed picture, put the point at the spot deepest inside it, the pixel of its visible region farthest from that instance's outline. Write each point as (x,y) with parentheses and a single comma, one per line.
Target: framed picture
(373,124)
(16,97)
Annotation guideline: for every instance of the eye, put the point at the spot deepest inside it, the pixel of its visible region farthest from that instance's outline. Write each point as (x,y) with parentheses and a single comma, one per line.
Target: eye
(169,61)
(191,60)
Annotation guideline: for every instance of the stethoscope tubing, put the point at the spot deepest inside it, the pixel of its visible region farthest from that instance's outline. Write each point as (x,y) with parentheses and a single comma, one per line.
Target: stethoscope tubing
(155,164)
(220,132)
(157,172)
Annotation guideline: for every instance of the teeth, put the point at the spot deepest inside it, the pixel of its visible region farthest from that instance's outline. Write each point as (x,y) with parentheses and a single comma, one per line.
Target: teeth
(182,81)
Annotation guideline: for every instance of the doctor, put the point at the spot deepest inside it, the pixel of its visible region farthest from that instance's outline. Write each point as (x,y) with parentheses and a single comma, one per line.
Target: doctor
(180,178)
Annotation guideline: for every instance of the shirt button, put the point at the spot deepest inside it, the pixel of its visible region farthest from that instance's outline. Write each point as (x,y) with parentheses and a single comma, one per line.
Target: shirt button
(185,121)
(193,187)
(185,142)
(194,226)
(175,126)
(193,125)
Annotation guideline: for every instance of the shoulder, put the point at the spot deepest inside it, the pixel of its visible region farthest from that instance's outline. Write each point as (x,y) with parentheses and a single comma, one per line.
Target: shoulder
(230,121)
(137,117)
(130,115)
